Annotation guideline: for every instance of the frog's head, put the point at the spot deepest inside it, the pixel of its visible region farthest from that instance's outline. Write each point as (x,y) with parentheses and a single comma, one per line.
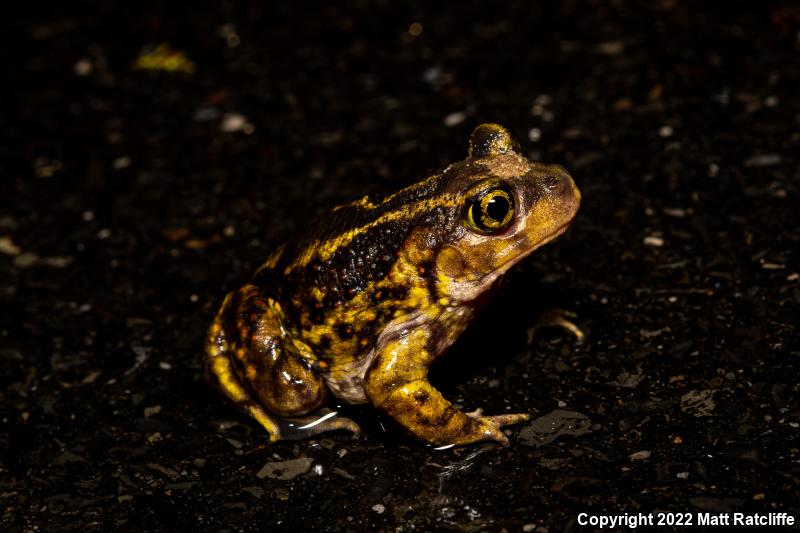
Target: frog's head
(508,207)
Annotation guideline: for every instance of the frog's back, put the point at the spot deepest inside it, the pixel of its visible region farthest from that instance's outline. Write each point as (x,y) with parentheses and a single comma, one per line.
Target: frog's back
(332,278)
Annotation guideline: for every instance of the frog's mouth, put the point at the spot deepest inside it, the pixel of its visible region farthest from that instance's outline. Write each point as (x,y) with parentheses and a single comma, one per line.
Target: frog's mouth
(552,236)
(522,243)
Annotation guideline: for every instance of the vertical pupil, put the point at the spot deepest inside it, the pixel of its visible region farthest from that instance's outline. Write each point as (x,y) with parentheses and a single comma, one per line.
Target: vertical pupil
(497,208)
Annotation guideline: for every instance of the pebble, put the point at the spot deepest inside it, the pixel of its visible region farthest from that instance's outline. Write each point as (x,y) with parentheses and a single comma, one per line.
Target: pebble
(121,162)
(763,160)
(454,119)
(233,122)
(8,247)
(654,241)
(83,67)
(285,470)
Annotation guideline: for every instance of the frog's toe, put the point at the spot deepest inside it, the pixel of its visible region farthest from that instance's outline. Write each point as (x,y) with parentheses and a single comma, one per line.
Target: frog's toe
(320,422)
(558,318)
(499,420)
(492,424)
(496,435)
(508,420)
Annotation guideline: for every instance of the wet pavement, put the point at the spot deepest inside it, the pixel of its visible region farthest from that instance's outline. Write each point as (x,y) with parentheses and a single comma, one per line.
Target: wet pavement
(152,155)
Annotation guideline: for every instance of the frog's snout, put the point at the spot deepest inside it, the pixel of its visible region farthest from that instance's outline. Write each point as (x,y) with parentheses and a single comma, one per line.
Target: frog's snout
(559,185)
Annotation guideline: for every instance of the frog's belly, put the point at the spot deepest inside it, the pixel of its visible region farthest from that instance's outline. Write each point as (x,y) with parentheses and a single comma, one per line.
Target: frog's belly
(346,382)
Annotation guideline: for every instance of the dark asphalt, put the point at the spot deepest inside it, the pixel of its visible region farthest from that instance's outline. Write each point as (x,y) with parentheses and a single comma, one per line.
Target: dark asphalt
(132,199)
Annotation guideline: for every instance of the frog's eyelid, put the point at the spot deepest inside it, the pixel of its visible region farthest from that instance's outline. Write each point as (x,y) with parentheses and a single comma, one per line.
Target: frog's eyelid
(480,189)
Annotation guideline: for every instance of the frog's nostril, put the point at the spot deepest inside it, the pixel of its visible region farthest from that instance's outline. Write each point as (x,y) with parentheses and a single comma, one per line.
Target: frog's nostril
(550,182)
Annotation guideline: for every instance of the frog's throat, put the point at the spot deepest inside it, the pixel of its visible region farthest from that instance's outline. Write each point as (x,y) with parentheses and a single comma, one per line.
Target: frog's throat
(470,292)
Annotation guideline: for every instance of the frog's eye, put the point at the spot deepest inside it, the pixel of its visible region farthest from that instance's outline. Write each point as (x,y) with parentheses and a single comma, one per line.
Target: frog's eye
(492,210)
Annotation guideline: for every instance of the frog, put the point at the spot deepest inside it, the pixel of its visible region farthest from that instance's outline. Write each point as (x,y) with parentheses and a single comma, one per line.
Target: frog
(359,303)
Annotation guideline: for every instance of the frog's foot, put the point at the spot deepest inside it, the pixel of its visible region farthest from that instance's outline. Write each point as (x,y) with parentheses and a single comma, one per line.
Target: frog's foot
(556,318)
(307,426)
(491,424)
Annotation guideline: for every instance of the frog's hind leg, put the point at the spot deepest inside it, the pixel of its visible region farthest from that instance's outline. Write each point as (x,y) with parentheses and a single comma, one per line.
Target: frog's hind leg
(251,363)
(220,373)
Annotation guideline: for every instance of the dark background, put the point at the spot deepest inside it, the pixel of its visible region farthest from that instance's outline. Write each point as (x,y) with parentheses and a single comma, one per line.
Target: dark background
(127,212)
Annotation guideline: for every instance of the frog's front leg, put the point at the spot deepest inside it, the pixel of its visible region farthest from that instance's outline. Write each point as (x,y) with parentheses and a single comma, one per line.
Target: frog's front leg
(397,383)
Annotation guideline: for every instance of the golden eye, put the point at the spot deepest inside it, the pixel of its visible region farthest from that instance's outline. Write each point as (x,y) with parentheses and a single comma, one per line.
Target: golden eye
(492,210)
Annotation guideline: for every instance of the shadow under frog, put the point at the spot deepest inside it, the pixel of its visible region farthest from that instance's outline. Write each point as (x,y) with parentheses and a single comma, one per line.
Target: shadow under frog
(365,298)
